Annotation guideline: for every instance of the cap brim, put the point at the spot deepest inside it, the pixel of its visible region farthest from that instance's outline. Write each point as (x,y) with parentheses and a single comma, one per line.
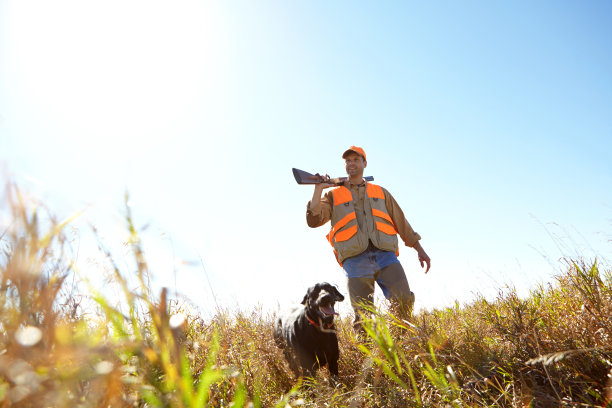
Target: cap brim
(350,151)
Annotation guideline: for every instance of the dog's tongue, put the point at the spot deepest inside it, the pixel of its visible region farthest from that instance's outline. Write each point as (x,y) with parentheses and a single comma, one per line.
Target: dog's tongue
(328,310)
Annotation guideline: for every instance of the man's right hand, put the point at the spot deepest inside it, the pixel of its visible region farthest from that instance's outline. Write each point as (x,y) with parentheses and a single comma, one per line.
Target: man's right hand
(318,190)
(324,185)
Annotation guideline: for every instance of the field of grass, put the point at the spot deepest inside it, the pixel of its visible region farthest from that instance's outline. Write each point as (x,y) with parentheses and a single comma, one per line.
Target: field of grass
(550,349)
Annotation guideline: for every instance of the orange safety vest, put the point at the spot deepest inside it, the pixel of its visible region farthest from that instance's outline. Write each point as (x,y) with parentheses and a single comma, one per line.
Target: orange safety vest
(345,236)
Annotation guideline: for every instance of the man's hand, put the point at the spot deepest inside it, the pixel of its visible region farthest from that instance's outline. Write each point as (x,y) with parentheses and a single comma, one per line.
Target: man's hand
(318,190)
(423,257)
(324,184)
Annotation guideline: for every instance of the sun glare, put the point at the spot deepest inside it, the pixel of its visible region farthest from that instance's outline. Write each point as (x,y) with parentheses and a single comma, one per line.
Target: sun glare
(114,71)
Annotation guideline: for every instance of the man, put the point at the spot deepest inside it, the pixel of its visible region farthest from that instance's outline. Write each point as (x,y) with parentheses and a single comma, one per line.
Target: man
(365,221)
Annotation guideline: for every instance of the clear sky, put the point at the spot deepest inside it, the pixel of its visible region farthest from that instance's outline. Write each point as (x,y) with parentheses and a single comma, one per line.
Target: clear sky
(489,122)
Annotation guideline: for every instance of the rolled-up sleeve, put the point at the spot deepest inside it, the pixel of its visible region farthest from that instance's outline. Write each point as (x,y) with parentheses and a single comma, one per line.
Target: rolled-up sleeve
(320,214)
(404,229)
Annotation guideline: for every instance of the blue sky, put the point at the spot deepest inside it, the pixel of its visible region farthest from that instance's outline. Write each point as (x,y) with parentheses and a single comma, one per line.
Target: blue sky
(490,123)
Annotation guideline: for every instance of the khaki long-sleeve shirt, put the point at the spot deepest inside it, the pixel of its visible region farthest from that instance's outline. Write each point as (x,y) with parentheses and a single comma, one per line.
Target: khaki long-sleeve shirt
(321,213)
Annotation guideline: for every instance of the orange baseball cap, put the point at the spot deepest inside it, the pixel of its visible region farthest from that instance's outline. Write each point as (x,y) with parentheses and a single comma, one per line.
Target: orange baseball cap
(354,149)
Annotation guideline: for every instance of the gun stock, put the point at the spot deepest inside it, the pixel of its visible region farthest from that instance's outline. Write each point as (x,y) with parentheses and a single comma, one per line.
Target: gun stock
(303,177)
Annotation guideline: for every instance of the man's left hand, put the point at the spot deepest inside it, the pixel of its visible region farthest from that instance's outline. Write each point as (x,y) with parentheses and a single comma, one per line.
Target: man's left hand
(424,259)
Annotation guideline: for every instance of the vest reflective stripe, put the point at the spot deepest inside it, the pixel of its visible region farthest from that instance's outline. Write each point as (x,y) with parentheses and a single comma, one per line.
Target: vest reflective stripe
(342,195)
(347,234)
(386,228)
(347,218)
(374,191)
(382,215)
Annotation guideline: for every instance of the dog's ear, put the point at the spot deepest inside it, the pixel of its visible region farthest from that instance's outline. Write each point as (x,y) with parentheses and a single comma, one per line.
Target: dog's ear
(309,293)
(337,294)
(333,290)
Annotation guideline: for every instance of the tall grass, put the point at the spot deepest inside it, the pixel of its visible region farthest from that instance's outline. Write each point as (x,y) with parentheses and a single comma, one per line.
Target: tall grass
(143,349)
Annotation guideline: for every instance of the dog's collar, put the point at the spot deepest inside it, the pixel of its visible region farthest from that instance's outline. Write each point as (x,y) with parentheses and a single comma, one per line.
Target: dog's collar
(320,324)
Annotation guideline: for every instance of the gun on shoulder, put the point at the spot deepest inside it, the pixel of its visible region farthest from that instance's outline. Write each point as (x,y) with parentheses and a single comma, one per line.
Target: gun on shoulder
(303,177)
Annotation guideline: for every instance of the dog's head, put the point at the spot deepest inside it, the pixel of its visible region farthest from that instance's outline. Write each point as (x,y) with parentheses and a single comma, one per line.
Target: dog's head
(320,300)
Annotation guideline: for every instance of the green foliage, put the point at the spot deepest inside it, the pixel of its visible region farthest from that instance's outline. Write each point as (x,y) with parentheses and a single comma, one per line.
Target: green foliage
(142,349)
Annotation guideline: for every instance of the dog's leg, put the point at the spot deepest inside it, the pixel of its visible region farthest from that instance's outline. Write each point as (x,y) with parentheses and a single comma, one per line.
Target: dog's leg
(294,364)
(333,367)
(332,357)
(309,364)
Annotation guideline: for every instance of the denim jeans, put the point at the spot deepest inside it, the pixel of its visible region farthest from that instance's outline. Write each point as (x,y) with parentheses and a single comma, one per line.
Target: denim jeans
(383,268)
(368,264)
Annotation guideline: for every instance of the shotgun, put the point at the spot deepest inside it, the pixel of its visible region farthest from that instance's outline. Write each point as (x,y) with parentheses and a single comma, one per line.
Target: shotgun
(303,177)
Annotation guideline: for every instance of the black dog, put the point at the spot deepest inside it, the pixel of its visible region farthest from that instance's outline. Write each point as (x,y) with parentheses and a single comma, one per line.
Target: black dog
(307,334)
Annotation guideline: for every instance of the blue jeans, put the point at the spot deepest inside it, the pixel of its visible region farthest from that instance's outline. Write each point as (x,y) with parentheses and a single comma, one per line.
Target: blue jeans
(368,264)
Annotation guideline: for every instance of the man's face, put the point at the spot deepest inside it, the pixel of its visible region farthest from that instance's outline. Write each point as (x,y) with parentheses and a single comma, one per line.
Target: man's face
(354,164)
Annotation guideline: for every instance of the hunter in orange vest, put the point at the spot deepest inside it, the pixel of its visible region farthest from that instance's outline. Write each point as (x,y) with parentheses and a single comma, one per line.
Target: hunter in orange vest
(365,222)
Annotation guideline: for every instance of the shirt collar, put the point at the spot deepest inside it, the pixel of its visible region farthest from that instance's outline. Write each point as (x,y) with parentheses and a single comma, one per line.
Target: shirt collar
(348,184)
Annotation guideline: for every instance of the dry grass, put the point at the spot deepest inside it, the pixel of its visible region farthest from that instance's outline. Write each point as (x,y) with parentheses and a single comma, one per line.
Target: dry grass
(551,349)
